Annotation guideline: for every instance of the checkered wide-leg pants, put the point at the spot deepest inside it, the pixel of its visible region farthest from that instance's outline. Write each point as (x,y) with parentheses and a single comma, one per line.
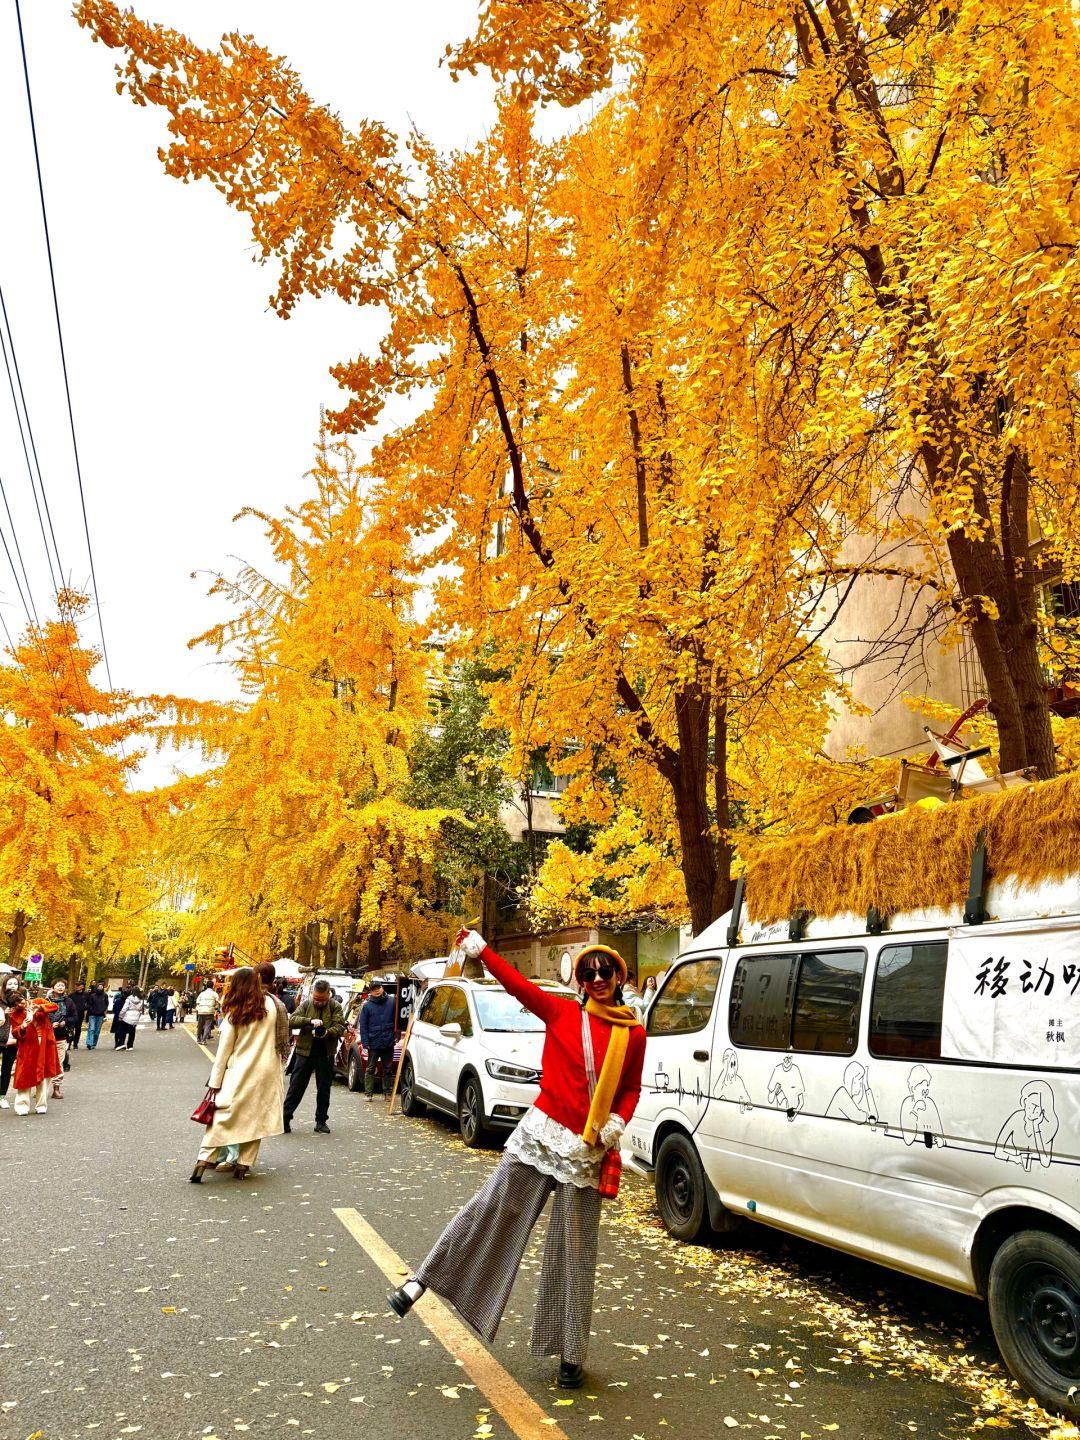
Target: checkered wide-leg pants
(475,1259)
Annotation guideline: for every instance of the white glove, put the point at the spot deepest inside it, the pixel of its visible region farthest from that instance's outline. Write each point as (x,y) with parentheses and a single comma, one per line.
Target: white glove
(471,942)
(611,1134)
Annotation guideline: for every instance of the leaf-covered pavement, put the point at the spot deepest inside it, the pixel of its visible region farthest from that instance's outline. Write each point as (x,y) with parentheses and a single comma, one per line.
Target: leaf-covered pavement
(133,1303)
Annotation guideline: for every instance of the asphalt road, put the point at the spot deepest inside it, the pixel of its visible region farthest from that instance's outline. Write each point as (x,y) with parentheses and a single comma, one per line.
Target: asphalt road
(134,1303)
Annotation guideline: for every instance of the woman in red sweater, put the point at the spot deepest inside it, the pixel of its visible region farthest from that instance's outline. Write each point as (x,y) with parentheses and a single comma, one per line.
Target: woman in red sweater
(591,1080)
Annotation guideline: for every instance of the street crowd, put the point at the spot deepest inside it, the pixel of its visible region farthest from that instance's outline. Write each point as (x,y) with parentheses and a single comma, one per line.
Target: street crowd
(564,1145)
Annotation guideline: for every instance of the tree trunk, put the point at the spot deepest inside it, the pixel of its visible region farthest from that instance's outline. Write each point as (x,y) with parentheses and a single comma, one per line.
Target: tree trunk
(690,783)
(374,955)
(16,937)
(1006,642)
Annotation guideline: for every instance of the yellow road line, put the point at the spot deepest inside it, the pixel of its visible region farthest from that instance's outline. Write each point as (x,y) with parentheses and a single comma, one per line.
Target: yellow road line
(208,1053)
(520,1411)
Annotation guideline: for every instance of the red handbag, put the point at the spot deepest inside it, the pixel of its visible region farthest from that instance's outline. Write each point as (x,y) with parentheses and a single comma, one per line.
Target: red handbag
(203,1114)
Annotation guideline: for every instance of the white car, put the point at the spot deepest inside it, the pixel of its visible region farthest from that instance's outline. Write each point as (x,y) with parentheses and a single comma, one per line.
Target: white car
(475,1054)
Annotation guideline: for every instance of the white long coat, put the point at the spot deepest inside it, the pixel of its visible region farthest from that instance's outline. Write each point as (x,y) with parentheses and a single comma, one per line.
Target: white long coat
(250,1083)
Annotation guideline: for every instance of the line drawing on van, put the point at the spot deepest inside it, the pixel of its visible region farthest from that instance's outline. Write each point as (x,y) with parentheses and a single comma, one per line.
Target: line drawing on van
(662,1086)
(919,1117)
(786,1088)
(732,1087)
(1028,1133)
(854,1100)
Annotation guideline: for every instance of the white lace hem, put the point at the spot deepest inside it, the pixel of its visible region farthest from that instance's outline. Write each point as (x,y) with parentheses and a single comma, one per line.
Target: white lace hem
(554,1150)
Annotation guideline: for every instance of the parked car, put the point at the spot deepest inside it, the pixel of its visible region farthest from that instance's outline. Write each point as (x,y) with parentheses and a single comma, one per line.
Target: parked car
(351,1058)
(911,1097)
(474,1054)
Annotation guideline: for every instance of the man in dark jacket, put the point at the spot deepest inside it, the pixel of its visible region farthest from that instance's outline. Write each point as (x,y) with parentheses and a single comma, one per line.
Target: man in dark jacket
(97,1003)
(318,1025)
(78,999)
(377,1037)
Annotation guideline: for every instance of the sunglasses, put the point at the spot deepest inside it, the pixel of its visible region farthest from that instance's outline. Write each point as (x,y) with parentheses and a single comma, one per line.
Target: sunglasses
(597,972)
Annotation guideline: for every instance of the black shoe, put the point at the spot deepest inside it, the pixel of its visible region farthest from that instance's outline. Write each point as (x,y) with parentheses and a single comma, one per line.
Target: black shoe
(571,1377)
(322,1128)
(401,1300)
(288,1128)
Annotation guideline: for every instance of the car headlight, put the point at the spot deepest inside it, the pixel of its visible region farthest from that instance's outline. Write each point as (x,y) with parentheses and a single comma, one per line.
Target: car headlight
(503,1070)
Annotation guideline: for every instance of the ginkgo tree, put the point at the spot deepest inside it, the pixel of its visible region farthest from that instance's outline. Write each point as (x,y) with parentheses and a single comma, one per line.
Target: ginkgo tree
(621,525)
(303,827)
(886,202)
(74,837)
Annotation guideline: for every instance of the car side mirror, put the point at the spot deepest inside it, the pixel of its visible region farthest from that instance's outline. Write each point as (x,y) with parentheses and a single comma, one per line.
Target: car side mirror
(451,1031)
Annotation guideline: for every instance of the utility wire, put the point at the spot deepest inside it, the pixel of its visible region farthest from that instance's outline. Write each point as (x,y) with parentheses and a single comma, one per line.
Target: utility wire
(29,432)
(60,337)
(28,598)
(41,482)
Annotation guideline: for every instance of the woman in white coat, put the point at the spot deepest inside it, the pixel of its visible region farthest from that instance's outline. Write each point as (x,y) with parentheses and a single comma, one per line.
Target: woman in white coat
(247,1077)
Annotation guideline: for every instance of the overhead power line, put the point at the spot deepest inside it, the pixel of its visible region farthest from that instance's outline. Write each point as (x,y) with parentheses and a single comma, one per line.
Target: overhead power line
(28,432)
(60,337)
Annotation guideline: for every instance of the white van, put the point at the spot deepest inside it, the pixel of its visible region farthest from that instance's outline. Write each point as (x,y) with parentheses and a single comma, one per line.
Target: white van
(910,1096)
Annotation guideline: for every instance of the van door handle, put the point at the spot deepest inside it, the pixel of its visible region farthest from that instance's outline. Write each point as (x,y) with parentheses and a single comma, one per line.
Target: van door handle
(701,1054)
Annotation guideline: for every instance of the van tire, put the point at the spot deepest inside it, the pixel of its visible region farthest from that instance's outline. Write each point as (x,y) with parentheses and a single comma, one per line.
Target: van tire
(410,1105)
(1034,1298)
(680,1189)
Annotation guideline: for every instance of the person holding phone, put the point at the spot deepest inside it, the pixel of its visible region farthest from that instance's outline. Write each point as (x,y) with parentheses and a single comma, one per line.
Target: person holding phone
(591,1081)
(318,1025)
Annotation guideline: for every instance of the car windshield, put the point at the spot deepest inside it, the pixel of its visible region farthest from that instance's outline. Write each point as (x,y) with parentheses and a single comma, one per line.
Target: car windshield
(497,1010)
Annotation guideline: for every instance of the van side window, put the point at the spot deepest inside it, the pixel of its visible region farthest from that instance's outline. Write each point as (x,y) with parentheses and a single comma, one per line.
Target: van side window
(905,1013)
(761,999)
(686,1000)
(826,1017)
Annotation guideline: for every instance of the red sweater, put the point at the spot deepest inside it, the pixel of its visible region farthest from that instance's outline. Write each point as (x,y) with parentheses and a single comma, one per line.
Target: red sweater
(564,1087)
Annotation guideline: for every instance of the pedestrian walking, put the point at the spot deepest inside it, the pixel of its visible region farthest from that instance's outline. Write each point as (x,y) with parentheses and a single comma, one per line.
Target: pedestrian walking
(589,1088)
(155,1006)
(64,1019)
(78,999)
(377,1017)
(37,1060)
(268,980)
(170,1007)
(205,1009)
(97,1005)
(318,1025)
(131,1010)
(12,997)
(246,1077)
(632,997)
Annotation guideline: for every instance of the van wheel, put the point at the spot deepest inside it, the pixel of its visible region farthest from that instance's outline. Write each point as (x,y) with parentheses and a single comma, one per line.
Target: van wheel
(471,1112)
(680,1188)
(355,1079)
(410,1105)
(1034,1297)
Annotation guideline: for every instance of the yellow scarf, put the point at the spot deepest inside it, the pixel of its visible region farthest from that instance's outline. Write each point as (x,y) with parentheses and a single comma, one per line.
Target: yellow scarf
(621,1019)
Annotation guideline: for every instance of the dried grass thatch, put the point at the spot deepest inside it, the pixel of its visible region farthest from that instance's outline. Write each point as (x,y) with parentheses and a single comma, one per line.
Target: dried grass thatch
(919,857)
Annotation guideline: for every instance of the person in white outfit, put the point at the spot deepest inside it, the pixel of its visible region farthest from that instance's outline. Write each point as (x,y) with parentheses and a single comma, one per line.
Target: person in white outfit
(247,1078)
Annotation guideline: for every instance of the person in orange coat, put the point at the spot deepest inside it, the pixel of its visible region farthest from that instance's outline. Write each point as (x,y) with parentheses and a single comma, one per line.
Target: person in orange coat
(37,1063)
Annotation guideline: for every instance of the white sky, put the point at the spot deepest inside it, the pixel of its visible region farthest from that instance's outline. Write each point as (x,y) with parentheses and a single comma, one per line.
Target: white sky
(191,398)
